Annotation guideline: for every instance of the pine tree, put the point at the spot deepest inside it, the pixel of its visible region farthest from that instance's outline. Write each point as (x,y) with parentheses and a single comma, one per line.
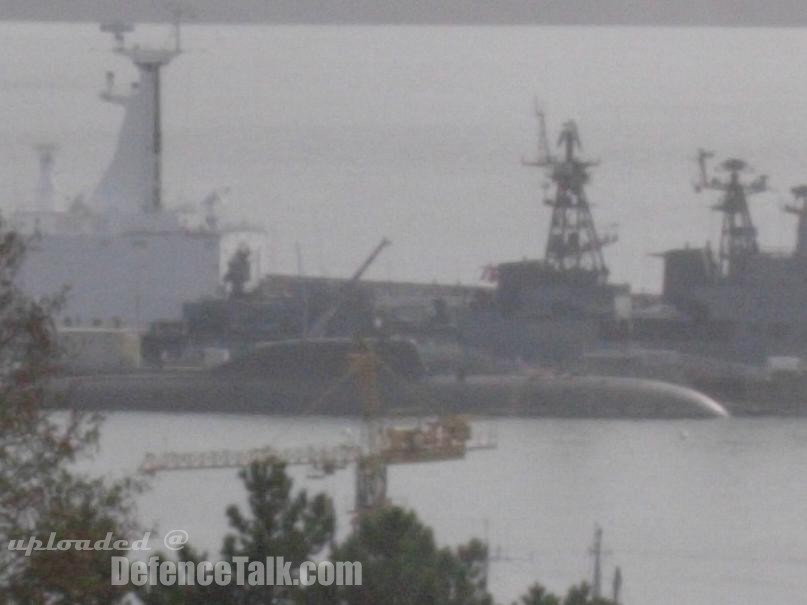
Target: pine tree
(40,492)
(402,565)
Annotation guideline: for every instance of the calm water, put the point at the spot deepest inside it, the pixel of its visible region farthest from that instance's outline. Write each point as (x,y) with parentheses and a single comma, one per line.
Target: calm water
(335,136)
(694,512)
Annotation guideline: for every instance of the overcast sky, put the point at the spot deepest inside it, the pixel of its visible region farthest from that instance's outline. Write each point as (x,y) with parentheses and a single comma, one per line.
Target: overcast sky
(597,12)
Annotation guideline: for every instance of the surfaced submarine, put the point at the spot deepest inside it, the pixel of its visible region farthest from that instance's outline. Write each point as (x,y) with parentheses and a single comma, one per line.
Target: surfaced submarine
(312,377)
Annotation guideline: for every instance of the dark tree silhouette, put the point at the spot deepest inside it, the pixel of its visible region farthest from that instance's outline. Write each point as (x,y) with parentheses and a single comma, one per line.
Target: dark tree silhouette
(40,492)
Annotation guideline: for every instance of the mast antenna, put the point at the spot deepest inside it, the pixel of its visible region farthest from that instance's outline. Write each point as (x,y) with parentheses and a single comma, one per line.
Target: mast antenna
(544,152)
(179,12)
(141,152)
(118,29)
(573,243)
(738,235)
(799,208)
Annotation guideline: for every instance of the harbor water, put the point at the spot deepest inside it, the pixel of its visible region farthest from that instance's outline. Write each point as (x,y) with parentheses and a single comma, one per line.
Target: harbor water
(696,512)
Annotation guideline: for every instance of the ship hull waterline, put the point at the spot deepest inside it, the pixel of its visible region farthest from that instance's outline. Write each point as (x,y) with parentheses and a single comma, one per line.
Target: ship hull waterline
(536,396)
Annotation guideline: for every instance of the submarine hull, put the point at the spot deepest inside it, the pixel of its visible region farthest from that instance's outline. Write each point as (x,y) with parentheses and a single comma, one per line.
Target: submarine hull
(540,396)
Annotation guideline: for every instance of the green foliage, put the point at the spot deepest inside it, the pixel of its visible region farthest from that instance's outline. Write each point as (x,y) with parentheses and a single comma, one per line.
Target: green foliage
(39,491)
(538,595)
(189,595)
(78,509)
(402,565)
(279,524)
(581,595)
(295,527)
(577,595)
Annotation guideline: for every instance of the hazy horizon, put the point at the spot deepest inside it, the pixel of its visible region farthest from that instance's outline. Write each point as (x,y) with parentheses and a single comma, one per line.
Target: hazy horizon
(335,137)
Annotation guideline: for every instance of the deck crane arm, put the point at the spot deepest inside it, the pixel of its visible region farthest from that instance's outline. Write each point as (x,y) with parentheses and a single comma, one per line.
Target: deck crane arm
(320,326)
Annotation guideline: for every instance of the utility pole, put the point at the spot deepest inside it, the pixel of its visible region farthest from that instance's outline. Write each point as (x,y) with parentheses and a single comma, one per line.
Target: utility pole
(486,564)
(617,586)
(596,553)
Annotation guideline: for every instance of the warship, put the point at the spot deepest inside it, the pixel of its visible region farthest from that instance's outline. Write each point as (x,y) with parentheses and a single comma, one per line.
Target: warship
(550,310)
(739,321)
(731,323)
(741,302)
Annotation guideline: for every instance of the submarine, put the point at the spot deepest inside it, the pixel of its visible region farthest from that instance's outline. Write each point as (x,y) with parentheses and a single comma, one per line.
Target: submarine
(312,377)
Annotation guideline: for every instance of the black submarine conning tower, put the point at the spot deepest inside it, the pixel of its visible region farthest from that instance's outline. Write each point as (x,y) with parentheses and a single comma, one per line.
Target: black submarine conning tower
(573,244)
(738,236)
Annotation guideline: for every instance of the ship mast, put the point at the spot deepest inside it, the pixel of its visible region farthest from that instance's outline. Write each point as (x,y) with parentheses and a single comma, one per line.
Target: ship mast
(738,236)
(800,210)
(133,182)
(573,244)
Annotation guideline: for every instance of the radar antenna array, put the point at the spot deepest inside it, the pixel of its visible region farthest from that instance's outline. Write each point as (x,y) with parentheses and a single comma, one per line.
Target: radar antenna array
(573,243)
(738,235)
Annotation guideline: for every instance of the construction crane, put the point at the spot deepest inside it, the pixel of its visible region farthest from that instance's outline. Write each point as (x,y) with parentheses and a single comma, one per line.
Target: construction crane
(440,438)
(437,439)
(444,438)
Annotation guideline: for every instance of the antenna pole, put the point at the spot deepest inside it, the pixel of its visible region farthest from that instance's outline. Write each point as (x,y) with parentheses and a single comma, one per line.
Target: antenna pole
(596,553)
(617,585)
(177,30)
(800,210)
(156,196)
(544,153)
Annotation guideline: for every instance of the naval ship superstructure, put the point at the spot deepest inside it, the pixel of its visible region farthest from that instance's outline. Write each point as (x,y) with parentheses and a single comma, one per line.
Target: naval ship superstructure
(551,309)
(740,302)
(125,258)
